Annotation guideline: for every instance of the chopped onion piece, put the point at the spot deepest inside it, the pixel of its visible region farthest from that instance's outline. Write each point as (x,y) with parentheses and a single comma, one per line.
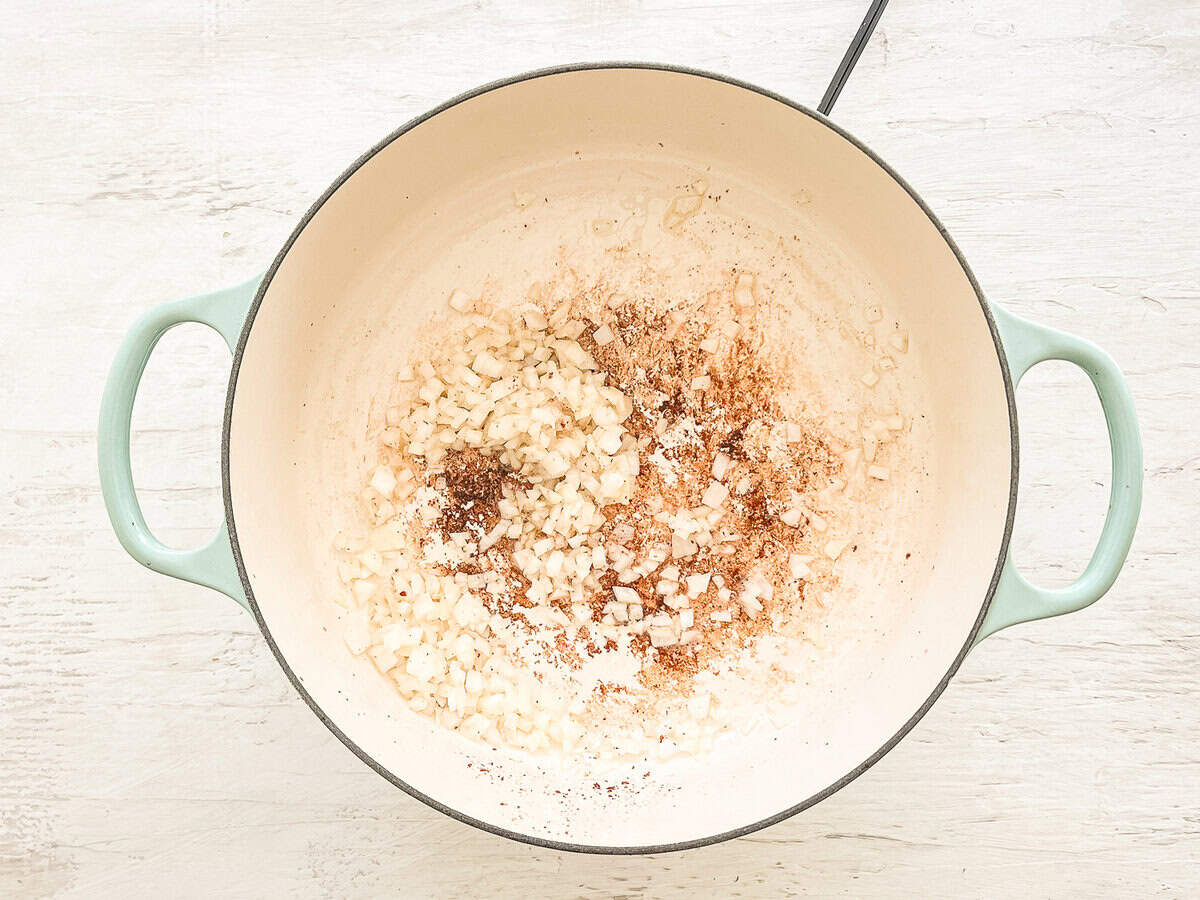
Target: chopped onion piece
(720,466)
(627,595)
(834,548)
(798,566)
(714,495)
(682,547)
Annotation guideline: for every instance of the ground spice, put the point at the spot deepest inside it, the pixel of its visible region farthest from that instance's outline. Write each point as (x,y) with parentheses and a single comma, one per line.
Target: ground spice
(653,359)
(474,486)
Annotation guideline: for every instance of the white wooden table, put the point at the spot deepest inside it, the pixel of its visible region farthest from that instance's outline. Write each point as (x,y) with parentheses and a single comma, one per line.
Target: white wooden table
(150,745)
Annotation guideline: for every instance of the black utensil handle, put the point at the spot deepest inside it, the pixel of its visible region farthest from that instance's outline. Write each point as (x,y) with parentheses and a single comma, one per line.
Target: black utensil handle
(853,52)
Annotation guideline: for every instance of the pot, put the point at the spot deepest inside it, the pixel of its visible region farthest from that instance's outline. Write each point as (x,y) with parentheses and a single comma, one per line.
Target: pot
(310,336)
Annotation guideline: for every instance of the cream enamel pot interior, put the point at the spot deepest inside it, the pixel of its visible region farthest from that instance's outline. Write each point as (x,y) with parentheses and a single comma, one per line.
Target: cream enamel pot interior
(312,335)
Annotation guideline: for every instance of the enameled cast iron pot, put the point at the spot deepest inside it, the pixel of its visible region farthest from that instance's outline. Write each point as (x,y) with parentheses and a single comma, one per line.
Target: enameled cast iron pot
(306,334)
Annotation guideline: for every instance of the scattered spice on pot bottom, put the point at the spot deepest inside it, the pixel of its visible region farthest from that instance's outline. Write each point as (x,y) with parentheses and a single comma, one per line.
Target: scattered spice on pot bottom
(591,514)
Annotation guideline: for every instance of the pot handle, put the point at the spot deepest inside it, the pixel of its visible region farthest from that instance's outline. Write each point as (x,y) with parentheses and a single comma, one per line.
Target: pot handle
(212,564)
(1017,600)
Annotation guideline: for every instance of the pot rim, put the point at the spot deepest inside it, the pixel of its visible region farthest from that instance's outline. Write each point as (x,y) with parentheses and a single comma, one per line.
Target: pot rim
(567,845)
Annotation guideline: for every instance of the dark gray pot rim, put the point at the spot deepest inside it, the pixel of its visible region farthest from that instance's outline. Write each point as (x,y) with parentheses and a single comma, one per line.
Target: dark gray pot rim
(566,845)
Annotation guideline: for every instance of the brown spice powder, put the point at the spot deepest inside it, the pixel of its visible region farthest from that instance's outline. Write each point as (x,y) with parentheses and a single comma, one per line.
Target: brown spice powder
(653,360)
(474,486)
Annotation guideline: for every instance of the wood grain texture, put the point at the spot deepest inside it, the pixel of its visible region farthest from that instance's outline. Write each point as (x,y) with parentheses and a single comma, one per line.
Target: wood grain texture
(149,744)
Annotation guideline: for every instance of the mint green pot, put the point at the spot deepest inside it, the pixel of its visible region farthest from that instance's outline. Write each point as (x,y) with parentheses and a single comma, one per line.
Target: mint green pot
(1018,346)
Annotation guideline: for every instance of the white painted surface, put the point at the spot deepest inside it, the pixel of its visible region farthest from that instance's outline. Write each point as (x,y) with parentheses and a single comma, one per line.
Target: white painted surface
(149,744)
